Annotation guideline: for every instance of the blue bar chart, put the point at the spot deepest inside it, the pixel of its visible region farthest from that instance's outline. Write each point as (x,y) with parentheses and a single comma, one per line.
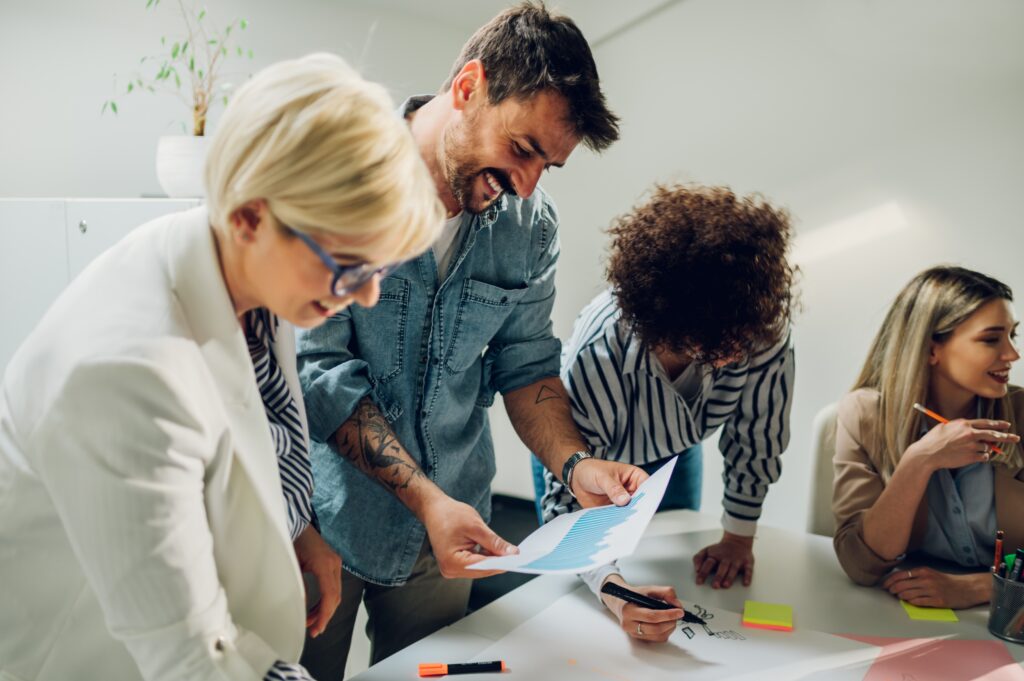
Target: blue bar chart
(582,540)
(586,538)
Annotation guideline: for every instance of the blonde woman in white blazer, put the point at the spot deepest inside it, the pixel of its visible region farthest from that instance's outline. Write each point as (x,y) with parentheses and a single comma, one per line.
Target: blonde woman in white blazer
(143,529)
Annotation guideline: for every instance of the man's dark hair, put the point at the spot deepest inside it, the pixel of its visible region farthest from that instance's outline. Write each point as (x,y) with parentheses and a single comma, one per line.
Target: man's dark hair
(526,50)
(698,270)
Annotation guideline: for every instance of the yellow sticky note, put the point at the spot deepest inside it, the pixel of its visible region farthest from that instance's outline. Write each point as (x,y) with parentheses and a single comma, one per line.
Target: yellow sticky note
(929,614)
(768,616)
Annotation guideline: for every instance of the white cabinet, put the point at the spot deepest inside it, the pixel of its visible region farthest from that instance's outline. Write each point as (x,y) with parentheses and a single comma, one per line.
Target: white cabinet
(94,225)
(44,243)
(33,267)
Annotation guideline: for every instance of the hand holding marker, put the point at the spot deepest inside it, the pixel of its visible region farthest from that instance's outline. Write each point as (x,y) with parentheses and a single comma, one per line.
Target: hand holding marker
(616,591)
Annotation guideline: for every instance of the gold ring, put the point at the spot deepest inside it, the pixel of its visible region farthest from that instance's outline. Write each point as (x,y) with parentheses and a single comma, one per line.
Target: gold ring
(910,575)
(639,631)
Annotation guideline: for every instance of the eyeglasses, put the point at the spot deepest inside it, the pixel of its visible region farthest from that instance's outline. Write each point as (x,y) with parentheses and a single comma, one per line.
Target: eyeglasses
(347,278)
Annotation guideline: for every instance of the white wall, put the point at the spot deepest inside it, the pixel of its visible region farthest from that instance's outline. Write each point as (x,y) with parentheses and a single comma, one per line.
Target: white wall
(58,58)
(901,117)
(860,116)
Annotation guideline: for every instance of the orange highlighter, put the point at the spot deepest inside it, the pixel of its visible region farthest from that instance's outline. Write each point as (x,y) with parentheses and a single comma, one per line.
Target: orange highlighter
(441,669)
(928,412)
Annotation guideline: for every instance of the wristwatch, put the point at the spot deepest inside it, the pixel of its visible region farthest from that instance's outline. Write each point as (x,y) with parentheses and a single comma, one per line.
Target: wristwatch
(570,464)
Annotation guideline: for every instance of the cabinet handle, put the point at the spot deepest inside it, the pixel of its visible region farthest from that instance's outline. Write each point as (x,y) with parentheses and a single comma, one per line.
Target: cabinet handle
(83,226)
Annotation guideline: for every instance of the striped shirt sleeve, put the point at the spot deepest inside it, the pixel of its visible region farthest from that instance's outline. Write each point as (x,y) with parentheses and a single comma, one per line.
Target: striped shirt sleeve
(287,671)
(755,436)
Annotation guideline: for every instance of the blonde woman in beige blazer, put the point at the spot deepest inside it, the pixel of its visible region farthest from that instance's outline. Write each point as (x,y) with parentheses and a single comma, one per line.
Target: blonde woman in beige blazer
(910,491)
(143,529)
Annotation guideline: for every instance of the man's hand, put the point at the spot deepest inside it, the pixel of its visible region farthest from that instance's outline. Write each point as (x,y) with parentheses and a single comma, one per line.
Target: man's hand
(933,589)
(596,482)
(320,560)
(653,626)
(729,557)
(456,530)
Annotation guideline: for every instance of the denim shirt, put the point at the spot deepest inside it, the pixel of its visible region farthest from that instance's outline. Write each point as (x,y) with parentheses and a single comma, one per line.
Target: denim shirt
(431,355)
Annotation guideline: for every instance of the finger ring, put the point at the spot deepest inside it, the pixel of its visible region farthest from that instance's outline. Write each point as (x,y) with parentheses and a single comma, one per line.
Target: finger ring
(910,575)
(639,631)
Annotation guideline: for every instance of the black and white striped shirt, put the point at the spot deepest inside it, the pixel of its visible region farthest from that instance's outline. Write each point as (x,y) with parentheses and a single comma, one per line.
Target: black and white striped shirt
(286,429)
(629,410)
(290,443)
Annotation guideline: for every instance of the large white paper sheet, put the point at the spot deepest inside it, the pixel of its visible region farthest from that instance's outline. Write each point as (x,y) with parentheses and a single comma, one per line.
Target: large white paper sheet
(586,539)
(574,639)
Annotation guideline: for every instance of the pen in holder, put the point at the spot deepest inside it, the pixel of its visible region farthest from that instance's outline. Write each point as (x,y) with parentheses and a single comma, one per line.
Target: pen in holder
(1006,610)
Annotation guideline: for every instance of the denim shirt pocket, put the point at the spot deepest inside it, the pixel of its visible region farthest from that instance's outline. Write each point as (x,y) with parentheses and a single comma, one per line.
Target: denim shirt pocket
(381,340)
(483,309)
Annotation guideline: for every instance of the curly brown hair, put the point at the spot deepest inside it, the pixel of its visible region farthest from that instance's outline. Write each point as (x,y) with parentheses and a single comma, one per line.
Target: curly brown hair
(698,270)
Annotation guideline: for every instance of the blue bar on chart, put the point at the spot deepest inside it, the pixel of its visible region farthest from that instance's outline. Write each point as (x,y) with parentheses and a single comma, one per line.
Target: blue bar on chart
(586,537)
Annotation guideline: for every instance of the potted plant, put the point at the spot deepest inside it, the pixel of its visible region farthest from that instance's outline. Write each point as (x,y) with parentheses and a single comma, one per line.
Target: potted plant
(190,67)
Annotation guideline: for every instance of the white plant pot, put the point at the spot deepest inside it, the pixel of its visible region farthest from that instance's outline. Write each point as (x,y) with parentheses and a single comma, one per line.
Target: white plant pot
(180,160)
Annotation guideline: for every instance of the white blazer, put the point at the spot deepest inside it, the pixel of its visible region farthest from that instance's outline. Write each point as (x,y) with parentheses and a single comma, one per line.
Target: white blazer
(142,525)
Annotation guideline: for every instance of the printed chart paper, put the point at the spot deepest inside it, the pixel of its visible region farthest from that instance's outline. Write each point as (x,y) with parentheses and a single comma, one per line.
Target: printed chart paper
(574,639)
(586,539)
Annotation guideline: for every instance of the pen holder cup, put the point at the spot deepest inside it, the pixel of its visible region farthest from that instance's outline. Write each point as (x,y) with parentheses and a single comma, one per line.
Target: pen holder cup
(1006,611)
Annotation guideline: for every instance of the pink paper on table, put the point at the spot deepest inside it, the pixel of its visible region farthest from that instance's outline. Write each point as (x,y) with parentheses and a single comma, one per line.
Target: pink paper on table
(940,658)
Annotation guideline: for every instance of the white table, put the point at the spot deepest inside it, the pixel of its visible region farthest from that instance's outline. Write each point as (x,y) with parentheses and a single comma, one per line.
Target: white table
(792,568)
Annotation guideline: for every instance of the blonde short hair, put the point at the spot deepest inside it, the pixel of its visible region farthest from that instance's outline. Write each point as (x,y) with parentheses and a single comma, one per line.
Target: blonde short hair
(327,152)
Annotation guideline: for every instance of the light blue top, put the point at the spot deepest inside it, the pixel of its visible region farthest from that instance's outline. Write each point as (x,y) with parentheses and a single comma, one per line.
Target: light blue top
(431,356)
(962,515)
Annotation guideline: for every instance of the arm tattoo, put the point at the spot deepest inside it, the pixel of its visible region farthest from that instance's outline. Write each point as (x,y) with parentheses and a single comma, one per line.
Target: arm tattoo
(368,441)
(545,393)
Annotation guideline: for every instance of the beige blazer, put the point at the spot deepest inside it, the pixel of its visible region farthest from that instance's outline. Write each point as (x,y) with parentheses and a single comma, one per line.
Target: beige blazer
(142,525)
(858,484)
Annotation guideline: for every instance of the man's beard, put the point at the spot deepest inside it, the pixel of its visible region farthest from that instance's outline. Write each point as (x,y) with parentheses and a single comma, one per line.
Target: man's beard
(461,171)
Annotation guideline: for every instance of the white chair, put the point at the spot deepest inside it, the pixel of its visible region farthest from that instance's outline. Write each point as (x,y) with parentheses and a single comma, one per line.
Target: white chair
(819,518)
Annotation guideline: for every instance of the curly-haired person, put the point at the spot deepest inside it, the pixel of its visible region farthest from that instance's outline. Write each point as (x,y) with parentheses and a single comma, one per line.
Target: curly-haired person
(692,334)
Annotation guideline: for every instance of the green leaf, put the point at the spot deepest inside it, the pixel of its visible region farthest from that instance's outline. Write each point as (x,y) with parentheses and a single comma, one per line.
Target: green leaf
(200,74)
(227,31)
(113,107)
(202,13)
(131,86)
(238,50)
(224,50)
(211,41)
(250,54)
(149,3)
(225,100)
(104,109)
(243,24)
(191,63)
(184,46)
(175,51)
(163,40)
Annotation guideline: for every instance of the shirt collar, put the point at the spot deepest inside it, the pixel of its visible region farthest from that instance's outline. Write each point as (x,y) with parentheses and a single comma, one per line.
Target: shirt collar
(635,357)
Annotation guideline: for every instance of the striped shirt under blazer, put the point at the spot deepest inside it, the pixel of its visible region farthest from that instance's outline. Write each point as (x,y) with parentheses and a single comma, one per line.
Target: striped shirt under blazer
(628,410)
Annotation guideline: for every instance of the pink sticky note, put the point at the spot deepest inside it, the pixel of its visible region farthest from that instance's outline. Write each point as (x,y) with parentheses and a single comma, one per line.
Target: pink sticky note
(922,659)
